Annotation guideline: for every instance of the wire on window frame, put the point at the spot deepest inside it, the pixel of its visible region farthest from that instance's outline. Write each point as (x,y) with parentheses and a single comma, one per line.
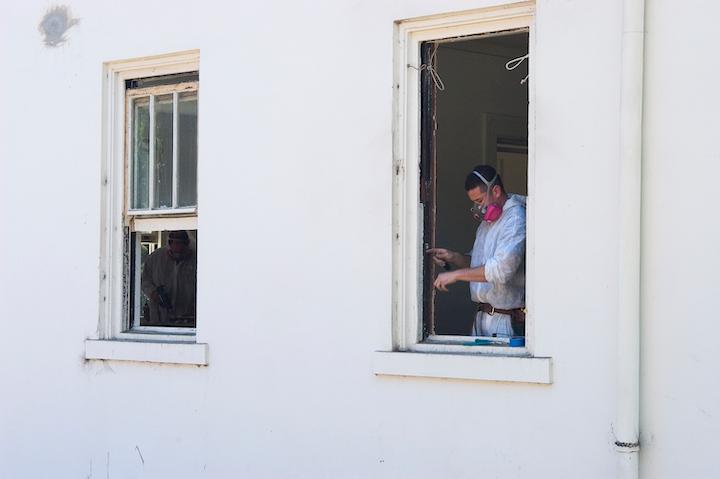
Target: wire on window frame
(431,69)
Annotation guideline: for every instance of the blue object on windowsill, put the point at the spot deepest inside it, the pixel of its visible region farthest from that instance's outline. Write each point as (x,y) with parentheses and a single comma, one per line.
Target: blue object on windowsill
(513,342)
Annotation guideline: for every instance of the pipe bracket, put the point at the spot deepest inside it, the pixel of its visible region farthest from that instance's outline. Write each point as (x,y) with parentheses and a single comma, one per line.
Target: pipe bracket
(627,447)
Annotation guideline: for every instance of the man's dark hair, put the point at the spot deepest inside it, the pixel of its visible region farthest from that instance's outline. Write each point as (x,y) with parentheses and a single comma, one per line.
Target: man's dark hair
(179,236)
(472,181)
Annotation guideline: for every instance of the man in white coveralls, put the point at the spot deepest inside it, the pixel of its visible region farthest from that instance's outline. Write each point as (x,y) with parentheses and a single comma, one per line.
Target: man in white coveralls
(169,280)
(495,268)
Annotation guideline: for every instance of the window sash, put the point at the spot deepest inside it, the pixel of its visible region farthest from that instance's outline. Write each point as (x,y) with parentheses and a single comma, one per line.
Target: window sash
(130,167)
(160,223)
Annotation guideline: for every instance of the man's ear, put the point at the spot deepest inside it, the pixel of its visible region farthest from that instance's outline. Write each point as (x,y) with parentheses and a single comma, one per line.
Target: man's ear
(496,191)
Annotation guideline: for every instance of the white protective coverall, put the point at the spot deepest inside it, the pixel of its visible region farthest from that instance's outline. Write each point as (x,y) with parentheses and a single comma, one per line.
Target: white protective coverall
(500,247)
(179,278)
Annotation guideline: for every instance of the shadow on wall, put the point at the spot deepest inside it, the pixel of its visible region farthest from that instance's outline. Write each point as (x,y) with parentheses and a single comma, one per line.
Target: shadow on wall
(55,24)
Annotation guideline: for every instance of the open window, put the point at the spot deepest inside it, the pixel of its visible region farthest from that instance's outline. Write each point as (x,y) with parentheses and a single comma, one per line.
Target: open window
(474,110)
(160,217)
(461,101)
(430,204)
(149,230)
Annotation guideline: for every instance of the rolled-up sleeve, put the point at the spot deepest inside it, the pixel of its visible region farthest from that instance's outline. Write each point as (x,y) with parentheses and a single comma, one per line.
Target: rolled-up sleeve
(510,252)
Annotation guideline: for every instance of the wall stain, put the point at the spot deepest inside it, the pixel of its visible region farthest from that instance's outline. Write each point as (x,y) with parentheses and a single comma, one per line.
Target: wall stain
(140,454)
(55,24)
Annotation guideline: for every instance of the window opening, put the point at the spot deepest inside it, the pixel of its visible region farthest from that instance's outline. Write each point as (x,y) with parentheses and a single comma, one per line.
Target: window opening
(161,80)
(160,280)
(480,117)
(164,285)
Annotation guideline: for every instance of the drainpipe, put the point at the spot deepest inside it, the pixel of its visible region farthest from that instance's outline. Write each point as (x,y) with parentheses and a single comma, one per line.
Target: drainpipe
(627,423)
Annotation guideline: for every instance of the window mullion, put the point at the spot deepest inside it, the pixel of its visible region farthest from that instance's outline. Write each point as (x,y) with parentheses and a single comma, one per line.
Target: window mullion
(151,155)
(175,152)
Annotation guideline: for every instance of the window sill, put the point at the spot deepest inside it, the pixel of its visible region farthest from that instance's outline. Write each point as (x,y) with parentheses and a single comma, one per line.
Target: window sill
(475,367)
(147,351)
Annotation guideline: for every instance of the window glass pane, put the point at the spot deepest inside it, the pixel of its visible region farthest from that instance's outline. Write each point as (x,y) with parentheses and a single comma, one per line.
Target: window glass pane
(140,154)
(187,149)
(163,151)
(164,278)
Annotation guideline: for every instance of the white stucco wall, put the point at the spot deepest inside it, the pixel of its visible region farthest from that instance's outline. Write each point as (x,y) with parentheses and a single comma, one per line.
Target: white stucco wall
(681,390)
(295,259)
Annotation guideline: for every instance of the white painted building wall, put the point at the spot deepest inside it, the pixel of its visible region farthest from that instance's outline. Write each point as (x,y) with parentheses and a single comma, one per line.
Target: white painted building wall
(680,390)
(294,290)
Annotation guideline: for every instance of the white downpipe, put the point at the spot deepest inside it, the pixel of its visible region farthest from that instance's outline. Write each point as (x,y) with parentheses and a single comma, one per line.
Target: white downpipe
(628,330)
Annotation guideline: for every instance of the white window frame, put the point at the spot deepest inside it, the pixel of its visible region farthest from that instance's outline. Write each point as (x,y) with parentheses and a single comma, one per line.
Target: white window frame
(112,341)
(408,354)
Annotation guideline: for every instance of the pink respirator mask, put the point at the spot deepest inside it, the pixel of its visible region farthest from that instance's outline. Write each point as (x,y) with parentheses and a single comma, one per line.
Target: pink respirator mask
(489,212)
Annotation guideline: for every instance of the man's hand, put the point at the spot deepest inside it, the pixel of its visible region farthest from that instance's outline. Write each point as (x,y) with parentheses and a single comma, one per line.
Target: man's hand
(445,279)
(154,296)
(441,256)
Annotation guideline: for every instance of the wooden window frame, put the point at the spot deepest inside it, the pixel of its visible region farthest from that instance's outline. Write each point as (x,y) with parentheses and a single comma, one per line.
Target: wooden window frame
(117,218)
(409,265)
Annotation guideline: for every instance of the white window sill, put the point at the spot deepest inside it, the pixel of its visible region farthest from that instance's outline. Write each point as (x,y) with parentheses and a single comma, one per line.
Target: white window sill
(475,367)
(147,351)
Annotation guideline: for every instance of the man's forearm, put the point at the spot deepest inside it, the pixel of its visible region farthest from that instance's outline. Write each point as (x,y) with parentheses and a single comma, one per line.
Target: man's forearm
(476,275)
(146,284)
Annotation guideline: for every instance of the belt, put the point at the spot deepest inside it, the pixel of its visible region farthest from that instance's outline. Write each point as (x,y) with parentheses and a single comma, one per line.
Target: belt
(517,316)
(490,309)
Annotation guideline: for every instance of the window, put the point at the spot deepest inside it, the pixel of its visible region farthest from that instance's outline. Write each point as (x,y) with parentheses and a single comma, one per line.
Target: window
(148,294)
(161,253)
(420,208)
(457,106)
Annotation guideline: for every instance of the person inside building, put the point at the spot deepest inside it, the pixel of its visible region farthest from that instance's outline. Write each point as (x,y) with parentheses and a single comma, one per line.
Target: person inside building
(169,281)
(495,268)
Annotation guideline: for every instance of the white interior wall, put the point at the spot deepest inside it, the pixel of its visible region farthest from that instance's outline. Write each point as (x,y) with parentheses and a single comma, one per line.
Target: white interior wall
(294,279)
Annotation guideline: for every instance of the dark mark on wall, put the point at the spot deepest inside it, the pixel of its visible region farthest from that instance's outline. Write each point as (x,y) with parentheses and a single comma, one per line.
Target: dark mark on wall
(55,24)
(140,454)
